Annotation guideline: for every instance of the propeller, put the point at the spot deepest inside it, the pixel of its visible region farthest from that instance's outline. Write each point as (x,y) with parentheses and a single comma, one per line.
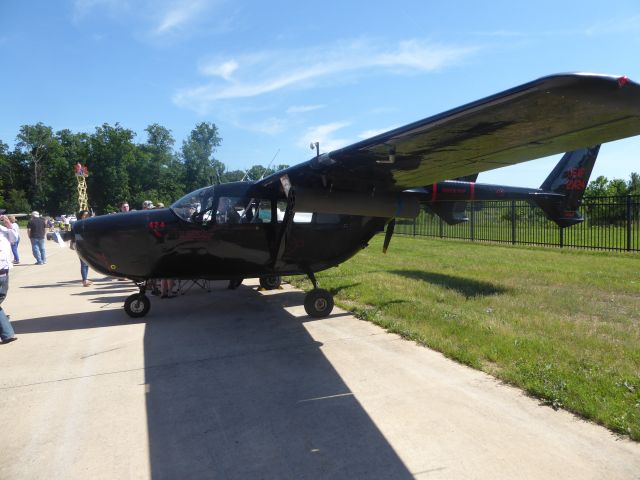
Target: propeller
(388,234)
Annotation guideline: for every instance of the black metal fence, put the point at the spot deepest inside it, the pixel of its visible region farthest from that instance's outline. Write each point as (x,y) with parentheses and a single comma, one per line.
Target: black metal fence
(611,223)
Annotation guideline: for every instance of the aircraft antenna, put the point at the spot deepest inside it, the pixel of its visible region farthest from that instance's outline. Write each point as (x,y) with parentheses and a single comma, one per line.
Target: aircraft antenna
(269,166)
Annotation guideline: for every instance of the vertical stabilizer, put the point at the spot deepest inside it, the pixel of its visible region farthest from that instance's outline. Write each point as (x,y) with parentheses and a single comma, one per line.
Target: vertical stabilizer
(568,181)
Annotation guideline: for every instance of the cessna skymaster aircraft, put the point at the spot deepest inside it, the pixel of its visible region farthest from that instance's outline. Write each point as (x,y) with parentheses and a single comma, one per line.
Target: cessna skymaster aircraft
(335,202)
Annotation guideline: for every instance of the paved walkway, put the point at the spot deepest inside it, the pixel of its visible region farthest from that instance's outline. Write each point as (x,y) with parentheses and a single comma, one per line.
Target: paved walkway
(241,384)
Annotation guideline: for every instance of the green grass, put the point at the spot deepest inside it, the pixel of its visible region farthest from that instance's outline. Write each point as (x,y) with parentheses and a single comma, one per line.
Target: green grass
(563,325)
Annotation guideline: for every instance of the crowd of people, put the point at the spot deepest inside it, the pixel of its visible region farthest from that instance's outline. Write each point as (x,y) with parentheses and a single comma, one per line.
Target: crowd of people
(37,227)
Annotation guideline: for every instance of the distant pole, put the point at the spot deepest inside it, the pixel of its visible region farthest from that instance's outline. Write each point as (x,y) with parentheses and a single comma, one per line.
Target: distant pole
(629,222)
(513,222)
(472,222)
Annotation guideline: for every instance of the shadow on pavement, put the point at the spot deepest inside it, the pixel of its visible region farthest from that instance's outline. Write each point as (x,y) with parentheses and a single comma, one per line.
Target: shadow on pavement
(247,393)
(237,388)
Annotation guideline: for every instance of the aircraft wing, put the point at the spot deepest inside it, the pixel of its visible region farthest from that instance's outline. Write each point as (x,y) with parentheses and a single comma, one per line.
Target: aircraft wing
(550,115)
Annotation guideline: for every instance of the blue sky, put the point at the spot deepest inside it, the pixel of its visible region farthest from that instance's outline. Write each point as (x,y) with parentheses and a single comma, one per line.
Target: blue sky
(275,76)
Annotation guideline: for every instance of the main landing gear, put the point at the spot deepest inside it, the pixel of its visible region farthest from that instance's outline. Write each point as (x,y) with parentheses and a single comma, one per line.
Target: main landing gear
(271,282)
(138,304)
(318,302)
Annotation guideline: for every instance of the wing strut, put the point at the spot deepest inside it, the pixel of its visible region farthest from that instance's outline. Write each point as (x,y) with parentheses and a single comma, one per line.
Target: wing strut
(287,221)
(388,234)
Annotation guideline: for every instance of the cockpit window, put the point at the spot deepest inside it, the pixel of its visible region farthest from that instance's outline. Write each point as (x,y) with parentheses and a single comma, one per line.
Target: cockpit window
(195,207)
(230,210)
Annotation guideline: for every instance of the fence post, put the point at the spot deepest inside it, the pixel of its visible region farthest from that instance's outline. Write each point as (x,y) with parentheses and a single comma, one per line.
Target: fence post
(441,228)
(472,222)
(513,222)
(561,237)
(414,226)
(629,222)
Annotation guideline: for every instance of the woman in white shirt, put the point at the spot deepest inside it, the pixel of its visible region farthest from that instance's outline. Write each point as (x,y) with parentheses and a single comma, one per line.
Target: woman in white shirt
(14,245)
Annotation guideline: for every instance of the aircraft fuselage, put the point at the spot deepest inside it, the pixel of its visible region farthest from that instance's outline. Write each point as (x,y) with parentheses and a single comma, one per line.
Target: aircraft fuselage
(165,243)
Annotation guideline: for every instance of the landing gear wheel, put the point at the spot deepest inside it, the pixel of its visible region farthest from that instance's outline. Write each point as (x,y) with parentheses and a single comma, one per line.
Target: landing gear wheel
(270,282)
(137,305)
(318,303)
(235,283)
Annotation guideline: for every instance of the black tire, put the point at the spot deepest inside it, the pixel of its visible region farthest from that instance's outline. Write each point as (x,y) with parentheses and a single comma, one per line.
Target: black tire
(137,305)
(318,303)
(234,283)
(271,282)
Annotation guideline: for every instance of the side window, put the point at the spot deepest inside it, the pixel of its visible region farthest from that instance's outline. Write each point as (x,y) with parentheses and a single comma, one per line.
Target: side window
(298,217)
(282,207)
(255,210)
(228,211)
(264,212)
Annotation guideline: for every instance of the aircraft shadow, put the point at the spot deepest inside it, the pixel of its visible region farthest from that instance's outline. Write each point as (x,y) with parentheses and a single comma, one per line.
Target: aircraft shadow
(75,321)
(467,287)
(237,388)
(260,400)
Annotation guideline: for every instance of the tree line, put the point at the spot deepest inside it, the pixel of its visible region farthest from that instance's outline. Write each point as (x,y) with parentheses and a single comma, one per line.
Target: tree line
(38,173)
(603,187)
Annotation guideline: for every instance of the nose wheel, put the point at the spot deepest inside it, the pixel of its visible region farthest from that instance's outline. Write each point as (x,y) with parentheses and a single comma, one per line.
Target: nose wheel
(137,305)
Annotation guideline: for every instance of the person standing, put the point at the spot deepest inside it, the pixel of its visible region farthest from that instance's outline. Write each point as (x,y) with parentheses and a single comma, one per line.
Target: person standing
(37,229)
(14,245)
(7,335)
(6,228)
(124,207)
(84,268)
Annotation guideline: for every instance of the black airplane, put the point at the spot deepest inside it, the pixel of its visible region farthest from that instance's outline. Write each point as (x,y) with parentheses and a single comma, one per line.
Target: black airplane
(319,213)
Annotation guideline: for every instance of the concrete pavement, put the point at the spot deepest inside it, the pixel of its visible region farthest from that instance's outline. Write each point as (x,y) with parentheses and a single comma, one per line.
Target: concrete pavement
(241,384)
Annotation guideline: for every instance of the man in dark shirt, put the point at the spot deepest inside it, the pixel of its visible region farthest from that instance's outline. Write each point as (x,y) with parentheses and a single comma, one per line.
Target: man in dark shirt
(37,229)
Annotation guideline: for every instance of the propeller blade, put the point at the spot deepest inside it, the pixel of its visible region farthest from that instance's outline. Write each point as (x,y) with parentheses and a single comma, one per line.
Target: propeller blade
(389,233)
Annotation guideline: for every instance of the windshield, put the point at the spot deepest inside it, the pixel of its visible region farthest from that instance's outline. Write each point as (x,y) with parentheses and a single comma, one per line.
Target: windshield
(195,206)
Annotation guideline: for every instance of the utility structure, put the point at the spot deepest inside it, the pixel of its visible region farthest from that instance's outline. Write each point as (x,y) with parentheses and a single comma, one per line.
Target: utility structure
(81,176)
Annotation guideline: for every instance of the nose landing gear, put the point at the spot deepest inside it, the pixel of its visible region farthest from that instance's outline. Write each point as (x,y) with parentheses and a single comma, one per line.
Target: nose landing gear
(138,304)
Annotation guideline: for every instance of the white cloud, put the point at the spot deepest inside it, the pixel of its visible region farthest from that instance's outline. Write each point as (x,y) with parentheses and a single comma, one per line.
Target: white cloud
(303,108)
(373,132)
(323,134)
(223,70)
(270,126)
(159,18)
(266,72)
(178,14)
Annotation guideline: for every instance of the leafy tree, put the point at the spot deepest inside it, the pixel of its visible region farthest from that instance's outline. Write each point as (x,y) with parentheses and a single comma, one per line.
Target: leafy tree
(74,148)
(17,202)
(197,154)
(258,171)
(617,187)
(39,145)
(597,187)
(233,176)
(111,152)
(634,184)
(162,176)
